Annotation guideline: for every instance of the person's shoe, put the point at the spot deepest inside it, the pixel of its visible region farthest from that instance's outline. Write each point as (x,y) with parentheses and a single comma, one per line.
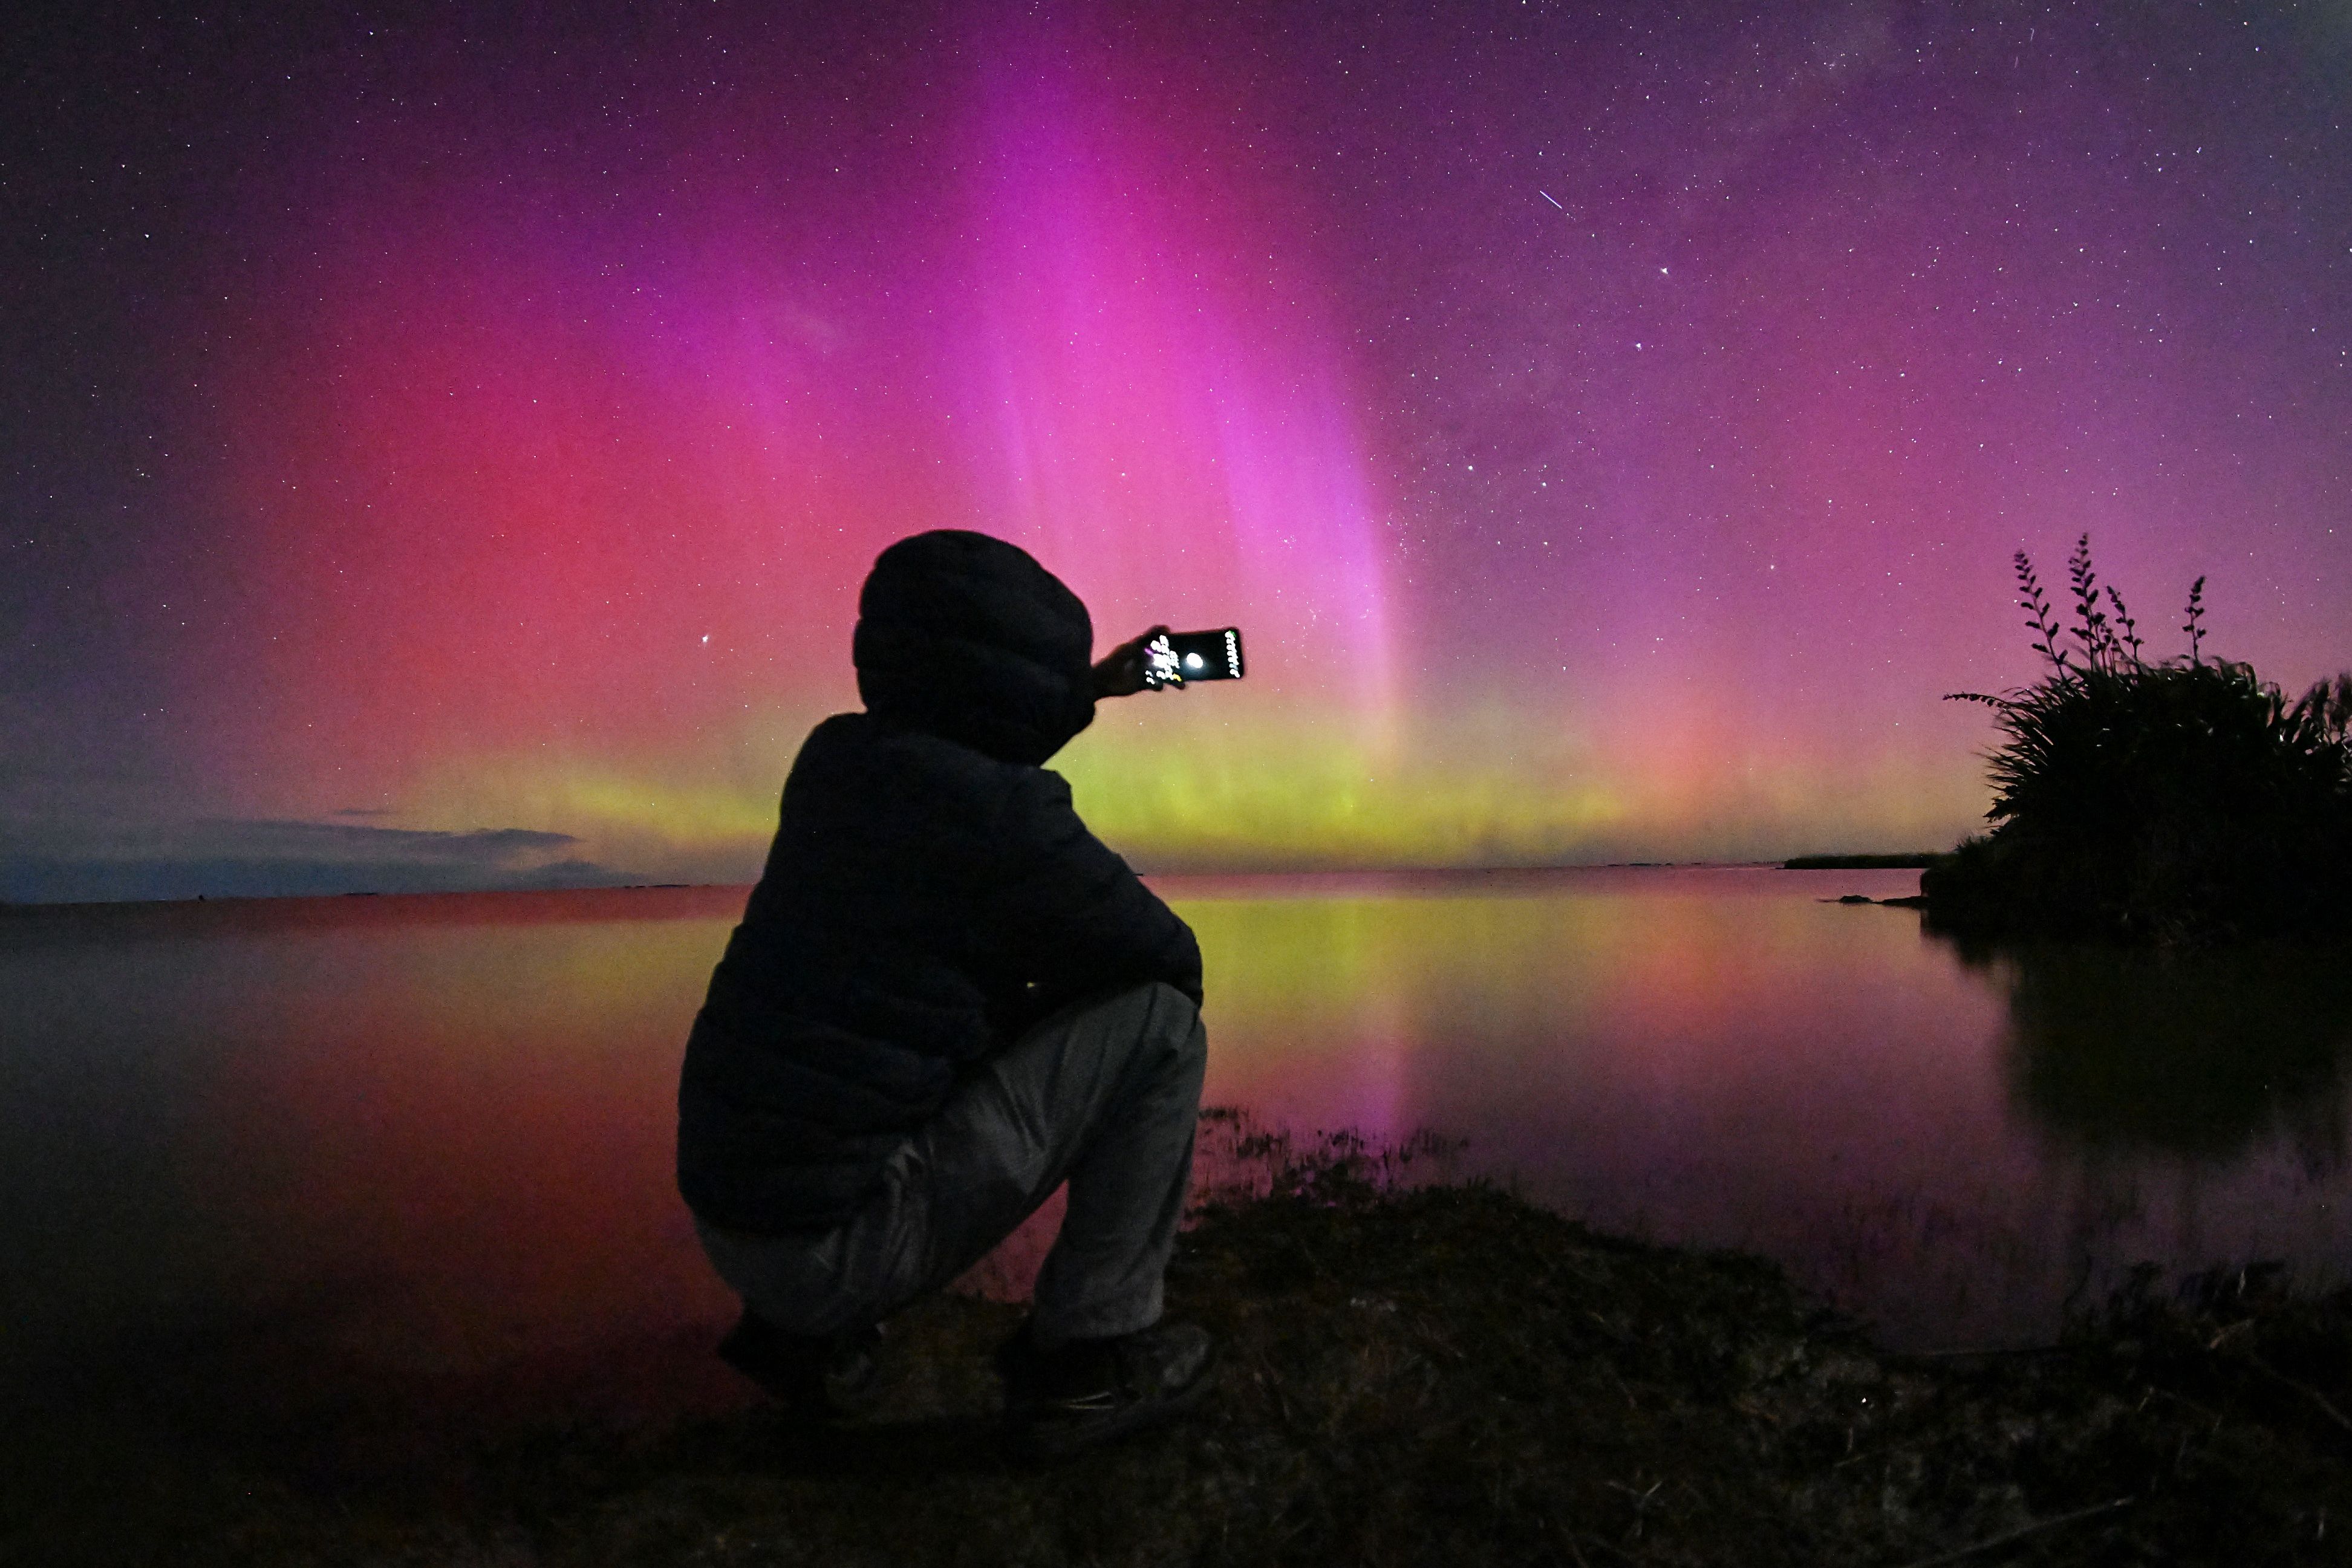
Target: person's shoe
(1090,1390)
(837,1375)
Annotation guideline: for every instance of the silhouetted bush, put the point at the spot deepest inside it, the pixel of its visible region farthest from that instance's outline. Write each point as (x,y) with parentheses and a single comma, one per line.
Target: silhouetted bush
(2184,800)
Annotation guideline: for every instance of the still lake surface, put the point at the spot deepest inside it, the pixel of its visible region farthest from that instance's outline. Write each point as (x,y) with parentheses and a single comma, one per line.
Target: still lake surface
(367,1141)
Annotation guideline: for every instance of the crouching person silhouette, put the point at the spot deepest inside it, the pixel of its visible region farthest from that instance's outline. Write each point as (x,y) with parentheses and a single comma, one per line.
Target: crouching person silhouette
(946,998)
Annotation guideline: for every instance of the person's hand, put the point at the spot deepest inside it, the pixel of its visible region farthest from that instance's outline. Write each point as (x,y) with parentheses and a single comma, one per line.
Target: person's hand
(1120,673)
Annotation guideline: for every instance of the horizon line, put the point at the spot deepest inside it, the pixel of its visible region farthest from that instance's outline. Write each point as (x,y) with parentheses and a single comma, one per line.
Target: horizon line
(1196,872)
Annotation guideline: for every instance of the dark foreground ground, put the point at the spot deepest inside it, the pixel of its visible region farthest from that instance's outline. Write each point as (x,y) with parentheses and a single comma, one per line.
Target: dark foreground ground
(1443,1375)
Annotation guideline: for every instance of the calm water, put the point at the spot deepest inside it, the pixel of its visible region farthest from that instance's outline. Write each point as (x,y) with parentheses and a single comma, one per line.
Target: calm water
(370,1142)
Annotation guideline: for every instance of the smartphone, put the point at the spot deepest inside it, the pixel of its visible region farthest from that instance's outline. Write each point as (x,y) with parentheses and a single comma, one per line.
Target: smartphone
(1173,658)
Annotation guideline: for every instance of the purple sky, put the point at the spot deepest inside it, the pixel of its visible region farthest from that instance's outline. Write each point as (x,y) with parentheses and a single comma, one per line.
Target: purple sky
(443,448)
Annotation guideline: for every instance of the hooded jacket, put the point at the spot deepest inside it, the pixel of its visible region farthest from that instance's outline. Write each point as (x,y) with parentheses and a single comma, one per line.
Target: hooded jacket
(930,889)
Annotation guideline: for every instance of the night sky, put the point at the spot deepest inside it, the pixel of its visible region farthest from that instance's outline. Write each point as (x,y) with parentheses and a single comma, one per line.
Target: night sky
(441,448)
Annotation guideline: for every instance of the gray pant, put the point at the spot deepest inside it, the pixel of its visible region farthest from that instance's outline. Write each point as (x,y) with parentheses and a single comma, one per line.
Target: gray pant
(1105,1094)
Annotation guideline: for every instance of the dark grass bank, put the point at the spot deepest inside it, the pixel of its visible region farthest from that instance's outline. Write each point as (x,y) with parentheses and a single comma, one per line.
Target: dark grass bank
(1445,1374)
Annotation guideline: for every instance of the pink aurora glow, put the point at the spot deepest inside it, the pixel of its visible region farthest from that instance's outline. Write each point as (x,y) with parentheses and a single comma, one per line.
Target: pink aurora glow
(551,494)
(1611,437)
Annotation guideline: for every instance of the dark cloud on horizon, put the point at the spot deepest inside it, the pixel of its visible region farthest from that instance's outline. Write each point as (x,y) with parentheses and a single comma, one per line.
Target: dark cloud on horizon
(266,858)
(476,846)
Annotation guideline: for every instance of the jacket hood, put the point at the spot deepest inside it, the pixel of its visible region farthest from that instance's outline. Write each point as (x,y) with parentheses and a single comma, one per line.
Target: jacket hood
(967,637)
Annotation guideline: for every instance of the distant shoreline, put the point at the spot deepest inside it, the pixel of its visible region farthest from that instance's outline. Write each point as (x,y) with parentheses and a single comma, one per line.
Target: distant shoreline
(1909,862)
(311,911)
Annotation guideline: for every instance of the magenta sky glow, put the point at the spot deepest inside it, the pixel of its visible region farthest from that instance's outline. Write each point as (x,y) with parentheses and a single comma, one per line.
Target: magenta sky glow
(446,455)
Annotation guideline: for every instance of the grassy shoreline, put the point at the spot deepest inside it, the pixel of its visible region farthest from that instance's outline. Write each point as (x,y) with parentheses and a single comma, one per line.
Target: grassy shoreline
(1440,1374)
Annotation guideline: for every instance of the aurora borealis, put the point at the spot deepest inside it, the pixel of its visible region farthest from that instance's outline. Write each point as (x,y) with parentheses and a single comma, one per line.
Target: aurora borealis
(443,446)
